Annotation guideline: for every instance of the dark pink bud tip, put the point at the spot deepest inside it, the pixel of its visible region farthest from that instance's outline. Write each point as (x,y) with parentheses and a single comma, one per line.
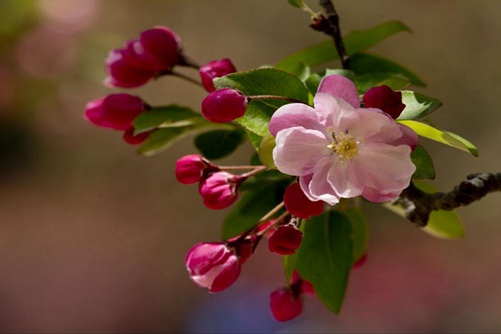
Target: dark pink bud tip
(132,139)
(212,265)
(299,205)
(385,99)
(123,71)
(219,190)
(215,69)
(224,105)
(190,168)
(285,240)
(115,111)
(285,305)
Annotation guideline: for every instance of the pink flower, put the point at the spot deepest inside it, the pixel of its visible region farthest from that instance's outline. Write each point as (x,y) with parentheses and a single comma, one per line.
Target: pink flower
(385,99)
(285,240)
(190,168)
(224,105)
(213,265)
(340,150)
(215,69)
(115,111)
(299,205)
(155,52)
(220,190)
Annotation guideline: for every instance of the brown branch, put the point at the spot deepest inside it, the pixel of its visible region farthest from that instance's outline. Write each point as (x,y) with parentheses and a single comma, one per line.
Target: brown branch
(330,26)
(418,205)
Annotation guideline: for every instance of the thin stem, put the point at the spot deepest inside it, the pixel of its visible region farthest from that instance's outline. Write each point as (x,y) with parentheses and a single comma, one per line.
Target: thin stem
(332,29)
(188,62)
(185,77)
(272,97)
(275,223)
(255,171)
(238,167)
(267,216)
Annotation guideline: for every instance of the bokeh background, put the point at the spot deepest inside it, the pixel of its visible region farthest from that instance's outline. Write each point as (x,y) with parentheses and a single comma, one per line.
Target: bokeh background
(93,236)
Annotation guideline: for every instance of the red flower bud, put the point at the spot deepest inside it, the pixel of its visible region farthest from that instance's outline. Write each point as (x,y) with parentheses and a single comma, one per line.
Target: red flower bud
(115,111)
(215,69)
(299,205)
(285,240)
(385,99)
(224,105)
(190,168)
(285,305)
(123,70)
(219,190)
(132,139)
(212,265)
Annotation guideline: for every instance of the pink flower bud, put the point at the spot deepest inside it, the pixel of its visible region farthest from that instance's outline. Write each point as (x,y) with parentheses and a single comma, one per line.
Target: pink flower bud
(224,105)
(212,265)
(124,71)
(190,168)
(219,190)
(285,305)
(299,205)
(385,99)
(115,111)
(215,69)
(132,139)
(285,240)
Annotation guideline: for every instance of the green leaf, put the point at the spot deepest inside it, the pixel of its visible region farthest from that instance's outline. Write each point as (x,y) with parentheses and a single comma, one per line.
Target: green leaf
(297,3)
(355,42)
(359,231)
(363,63)
(444,137)
(254,139)
(314,80)
(167,116)
(218,144)
(325,257)
(251,206)
(417,105)
(257,117)
(266,151)
(367,81)
(441,224)
(424,165)
(265,81)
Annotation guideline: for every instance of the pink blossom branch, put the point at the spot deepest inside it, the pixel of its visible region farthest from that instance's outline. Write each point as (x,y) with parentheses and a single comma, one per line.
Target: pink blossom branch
(418,205)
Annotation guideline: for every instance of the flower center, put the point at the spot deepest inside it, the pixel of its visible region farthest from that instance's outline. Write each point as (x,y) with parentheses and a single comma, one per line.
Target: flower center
(344,145)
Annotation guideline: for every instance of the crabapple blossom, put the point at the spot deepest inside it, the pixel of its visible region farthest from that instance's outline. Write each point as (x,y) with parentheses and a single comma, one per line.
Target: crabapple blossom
(190,168)
(224,105)
(285,240)
(299,205)
(213,265)
(215,69)
(115,111)
(340,150)
(220,190)
(385,99)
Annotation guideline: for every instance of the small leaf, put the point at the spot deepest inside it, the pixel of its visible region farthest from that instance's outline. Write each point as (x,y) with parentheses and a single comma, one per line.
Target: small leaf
(266,151)
(297,3)
(355,42)
(265,81)
(168,116)
(363,63)
(314,80)
(424,165)
(325,257)
(251,207)
(444,137)
(218,144)
(359,231)
(254,139)
(257,117)
(417,105)
(374,79)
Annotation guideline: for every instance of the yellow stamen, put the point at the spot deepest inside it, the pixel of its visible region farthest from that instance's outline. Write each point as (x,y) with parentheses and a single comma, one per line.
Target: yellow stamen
(344,145)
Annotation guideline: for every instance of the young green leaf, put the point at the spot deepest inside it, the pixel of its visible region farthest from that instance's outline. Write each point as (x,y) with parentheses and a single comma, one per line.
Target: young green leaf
(265,81)
(417,105)
(266,151)
(444,137)
(363,63)
(218,144)
(168,116)
(355,42)
(359,231)
(325,257)
(257,117)
(297,3)
(254,139)
(424,165)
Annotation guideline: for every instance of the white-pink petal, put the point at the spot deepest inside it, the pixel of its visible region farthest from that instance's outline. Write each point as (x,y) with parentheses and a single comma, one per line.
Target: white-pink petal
(334,112)
(319,186)
(341,87)
(298,150)
(375,126)
(294,114)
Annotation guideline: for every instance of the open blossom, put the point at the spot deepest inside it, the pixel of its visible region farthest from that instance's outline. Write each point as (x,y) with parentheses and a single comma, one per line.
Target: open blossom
(340,150)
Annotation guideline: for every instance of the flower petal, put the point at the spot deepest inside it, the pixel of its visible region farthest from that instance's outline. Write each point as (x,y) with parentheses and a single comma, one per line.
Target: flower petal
(319,188)
(298,150)
(341,87)
(294,114)
(334,112)
(344,180)
(375,126)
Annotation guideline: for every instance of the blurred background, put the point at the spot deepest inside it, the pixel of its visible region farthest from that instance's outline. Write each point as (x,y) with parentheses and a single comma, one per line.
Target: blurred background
(93,236)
